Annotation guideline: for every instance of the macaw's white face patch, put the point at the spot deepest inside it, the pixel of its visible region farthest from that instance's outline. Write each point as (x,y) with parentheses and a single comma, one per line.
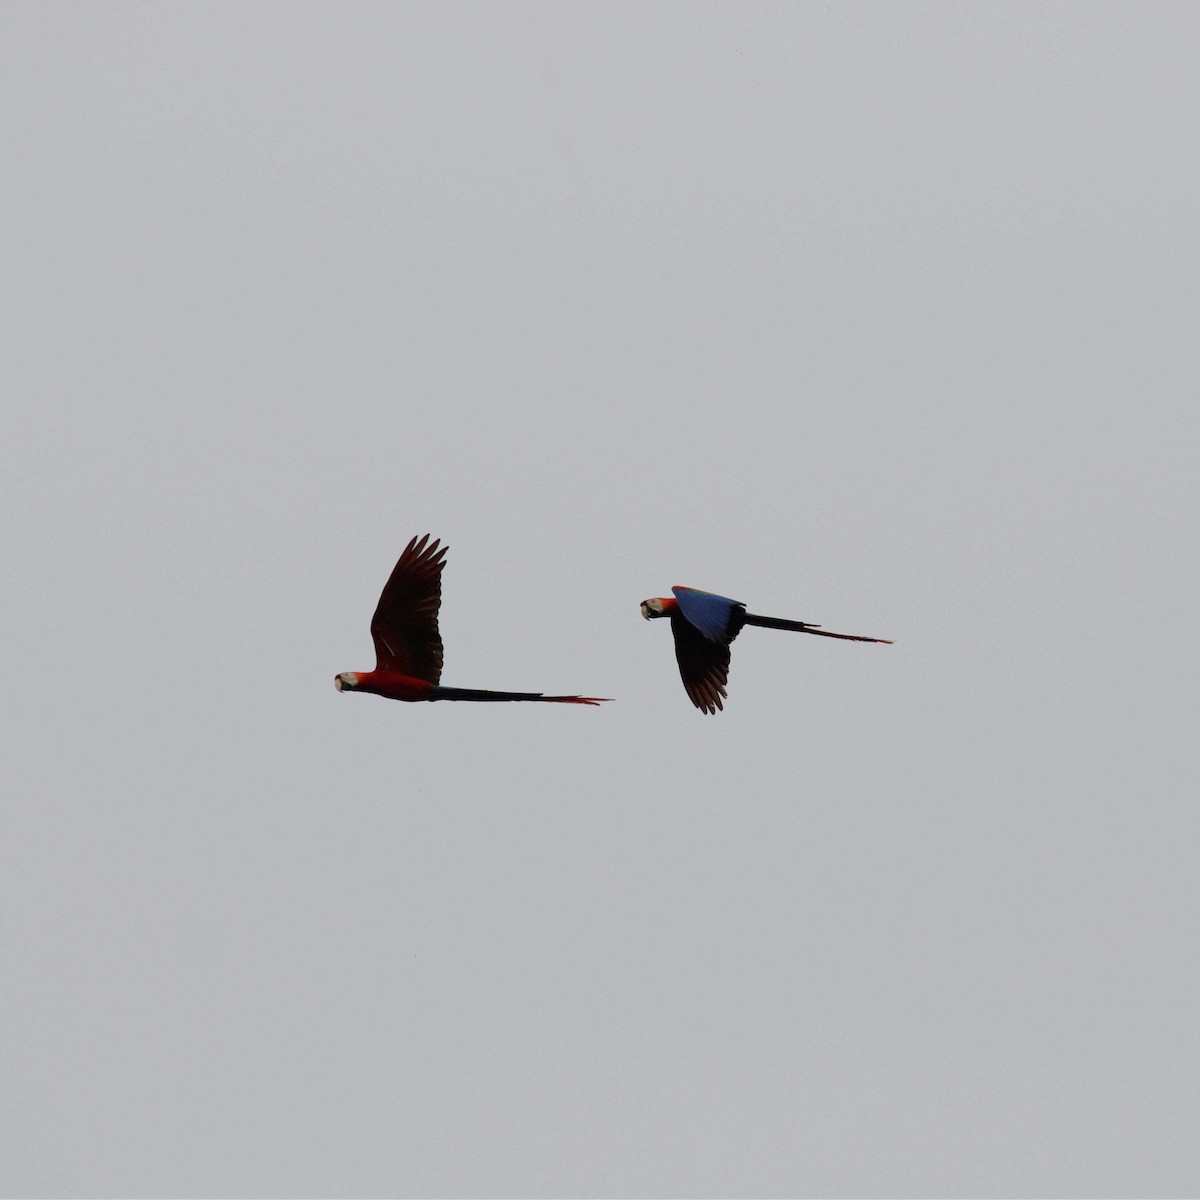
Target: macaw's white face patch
(347,679)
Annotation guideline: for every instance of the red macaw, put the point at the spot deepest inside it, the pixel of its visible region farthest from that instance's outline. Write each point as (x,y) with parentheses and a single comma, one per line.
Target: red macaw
(704,624)
(408,647)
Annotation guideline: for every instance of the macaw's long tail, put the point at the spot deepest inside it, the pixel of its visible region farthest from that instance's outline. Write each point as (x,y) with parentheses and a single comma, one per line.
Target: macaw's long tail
(805,627)
(450,693)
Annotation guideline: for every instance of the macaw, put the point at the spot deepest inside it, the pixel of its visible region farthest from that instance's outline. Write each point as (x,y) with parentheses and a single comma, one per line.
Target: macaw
(408,646)
(704,624)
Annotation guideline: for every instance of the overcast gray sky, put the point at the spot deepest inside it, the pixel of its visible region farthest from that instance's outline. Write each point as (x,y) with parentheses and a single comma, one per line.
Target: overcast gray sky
(883,317)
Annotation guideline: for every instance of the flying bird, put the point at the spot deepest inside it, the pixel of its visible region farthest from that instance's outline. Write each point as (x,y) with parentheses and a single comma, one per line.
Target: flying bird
(704,624)
(408,646)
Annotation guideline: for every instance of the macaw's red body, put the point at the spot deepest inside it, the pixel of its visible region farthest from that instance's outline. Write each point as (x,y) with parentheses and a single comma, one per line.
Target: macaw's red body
(408,646)
(703,625)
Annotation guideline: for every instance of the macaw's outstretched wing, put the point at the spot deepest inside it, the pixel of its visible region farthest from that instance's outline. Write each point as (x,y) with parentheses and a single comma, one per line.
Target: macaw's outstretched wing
(405,625)
(717,617)
(703,664)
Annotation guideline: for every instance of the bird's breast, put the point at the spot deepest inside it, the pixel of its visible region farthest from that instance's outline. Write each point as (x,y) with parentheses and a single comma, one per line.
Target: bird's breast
(394,686)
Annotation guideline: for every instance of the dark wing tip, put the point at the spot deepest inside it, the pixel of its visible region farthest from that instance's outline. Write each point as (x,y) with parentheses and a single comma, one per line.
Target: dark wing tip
(422,547)
(706,695)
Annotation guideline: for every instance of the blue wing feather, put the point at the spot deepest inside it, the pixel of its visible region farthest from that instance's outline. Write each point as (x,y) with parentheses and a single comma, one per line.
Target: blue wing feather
(707,612)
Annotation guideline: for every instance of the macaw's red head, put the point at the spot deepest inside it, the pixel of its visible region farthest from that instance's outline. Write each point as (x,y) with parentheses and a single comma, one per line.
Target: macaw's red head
(347,680)
(663,606)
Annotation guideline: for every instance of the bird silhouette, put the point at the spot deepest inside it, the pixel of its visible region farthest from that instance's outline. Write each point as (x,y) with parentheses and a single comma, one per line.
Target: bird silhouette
(704,624)
(408,646)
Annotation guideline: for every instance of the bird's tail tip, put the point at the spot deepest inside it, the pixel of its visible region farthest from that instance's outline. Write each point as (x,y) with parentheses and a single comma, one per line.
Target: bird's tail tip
(577,699)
